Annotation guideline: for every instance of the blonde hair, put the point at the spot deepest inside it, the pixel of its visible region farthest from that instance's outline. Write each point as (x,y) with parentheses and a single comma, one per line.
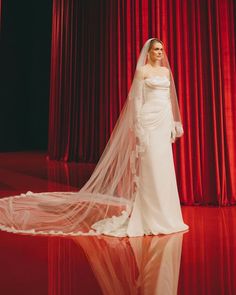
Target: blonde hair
(154,40)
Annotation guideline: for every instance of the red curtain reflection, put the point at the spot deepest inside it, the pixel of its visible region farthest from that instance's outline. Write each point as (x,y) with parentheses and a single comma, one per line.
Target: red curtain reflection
(95,45)
(139,266)
(199,261)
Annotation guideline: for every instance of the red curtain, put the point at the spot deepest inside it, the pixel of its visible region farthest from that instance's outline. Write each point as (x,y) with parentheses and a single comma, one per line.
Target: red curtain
(95,46)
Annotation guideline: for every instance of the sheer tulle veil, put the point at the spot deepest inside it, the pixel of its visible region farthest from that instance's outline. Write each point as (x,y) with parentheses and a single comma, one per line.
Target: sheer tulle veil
(111,189)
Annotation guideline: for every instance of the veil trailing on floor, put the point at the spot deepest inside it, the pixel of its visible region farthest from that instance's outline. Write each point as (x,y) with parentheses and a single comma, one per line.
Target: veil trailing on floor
(112,187)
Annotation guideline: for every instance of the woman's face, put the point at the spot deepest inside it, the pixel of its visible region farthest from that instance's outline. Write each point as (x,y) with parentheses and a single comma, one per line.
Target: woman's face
(156,52)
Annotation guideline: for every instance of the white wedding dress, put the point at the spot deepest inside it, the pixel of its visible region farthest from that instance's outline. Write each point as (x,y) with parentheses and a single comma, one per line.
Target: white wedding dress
(133,190)
(156,208)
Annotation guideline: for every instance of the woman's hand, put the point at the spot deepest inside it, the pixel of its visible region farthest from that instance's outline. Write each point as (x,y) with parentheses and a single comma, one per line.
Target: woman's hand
(176,131)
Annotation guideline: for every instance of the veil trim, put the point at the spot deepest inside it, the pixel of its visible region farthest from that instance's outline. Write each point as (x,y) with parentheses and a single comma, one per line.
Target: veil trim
(112,188)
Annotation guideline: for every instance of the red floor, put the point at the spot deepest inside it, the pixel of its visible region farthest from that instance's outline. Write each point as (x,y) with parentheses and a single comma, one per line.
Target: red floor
(200,261)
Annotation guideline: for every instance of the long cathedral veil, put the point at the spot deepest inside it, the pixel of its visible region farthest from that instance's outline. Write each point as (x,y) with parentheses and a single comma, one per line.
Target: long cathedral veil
(111,189)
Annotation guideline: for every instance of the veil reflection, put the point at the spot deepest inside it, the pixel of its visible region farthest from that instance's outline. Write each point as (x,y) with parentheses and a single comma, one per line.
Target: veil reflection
(143,265)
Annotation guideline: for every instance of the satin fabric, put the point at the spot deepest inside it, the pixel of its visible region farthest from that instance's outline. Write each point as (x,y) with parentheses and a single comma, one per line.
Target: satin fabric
(156,208)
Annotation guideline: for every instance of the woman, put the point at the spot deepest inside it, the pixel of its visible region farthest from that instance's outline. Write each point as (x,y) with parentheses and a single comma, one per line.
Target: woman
(132,191)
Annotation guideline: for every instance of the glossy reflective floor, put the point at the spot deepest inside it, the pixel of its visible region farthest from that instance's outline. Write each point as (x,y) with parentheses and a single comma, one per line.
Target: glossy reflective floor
(200,261)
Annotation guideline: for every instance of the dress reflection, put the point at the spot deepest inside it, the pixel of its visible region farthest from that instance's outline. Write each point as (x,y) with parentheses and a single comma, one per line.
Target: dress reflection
(143,265)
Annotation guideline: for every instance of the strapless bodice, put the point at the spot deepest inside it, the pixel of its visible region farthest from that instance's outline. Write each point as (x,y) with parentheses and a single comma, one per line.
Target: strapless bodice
(156,88)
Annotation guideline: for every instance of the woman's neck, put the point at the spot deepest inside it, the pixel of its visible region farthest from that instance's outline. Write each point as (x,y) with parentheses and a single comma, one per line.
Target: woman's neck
(155,64)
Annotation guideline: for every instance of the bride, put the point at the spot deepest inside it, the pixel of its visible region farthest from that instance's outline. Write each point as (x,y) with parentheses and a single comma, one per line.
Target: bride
(133,190)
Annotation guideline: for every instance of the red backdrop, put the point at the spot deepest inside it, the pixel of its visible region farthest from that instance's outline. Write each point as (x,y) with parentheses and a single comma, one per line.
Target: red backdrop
(95,45)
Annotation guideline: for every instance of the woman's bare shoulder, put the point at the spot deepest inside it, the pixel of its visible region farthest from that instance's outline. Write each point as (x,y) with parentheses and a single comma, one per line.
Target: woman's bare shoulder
(165,69)
(140,72)
(143,68)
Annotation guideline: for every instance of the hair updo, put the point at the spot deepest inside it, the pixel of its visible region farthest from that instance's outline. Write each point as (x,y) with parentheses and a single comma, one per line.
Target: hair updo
(154,40)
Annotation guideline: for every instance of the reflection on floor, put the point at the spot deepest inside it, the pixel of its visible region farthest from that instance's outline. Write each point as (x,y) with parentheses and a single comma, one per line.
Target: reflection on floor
(199,261)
